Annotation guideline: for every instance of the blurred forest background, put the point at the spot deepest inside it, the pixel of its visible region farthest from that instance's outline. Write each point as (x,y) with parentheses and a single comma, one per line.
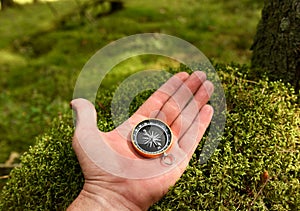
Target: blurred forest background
(44,45)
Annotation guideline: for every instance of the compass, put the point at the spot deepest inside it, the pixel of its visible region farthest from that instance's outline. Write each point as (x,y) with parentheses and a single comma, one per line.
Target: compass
(151,138)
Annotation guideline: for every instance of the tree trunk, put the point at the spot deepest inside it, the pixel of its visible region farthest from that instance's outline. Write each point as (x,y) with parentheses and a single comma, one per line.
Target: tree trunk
(6,3)
(276,47)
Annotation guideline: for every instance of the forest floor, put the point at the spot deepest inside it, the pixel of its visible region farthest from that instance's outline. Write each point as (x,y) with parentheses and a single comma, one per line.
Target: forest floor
(43,47)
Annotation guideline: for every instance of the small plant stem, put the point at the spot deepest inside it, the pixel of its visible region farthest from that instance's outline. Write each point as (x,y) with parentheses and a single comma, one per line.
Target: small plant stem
(259,192)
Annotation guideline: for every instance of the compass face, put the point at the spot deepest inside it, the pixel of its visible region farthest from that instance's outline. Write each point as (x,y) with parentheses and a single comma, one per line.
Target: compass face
(151,137)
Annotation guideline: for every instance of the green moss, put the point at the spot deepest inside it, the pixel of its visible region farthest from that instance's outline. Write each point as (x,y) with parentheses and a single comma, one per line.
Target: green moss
(261,134)
(50,174)
(43,52)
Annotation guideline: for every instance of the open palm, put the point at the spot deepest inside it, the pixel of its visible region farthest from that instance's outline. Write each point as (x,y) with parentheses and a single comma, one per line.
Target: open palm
(182,104)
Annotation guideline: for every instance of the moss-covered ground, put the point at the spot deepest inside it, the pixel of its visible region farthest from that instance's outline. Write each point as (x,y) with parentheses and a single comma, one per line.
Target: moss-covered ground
(256,165)
(42,51)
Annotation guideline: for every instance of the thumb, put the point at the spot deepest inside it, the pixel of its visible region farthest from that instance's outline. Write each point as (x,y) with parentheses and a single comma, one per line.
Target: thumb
(85,112)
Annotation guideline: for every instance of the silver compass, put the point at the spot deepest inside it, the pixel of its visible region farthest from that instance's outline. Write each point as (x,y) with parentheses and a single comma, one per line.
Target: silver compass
(151,138)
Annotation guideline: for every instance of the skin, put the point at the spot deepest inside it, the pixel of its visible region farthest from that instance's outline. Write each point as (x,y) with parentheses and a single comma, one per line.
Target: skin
(182,104)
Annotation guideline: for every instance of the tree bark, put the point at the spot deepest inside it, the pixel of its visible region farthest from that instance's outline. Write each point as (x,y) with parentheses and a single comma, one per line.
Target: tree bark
(276,47)
(6,3)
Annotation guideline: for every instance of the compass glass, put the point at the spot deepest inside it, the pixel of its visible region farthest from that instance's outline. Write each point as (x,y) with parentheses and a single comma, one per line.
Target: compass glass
(151,137)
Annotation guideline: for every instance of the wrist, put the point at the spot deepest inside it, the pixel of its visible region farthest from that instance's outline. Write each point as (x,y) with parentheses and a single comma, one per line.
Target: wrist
(98,198)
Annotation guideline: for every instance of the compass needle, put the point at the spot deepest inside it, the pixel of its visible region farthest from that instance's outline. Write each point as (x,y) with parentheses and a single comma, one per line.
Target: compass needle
(151,138)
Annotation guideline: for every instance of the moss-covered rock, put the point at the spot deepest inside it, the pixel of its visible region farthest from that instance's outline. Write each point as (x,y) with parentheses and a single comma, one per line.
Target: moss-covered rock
(261,136)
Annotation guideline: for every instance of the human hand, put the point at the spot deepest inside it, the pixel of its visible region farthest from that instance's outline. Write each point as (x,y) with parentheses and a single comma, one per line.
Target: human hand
(181,103)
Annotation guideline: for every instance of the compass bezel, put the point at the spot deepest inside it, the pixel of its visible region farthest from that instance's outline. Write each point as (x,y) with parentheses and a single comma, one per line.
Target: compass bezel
(152,123)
